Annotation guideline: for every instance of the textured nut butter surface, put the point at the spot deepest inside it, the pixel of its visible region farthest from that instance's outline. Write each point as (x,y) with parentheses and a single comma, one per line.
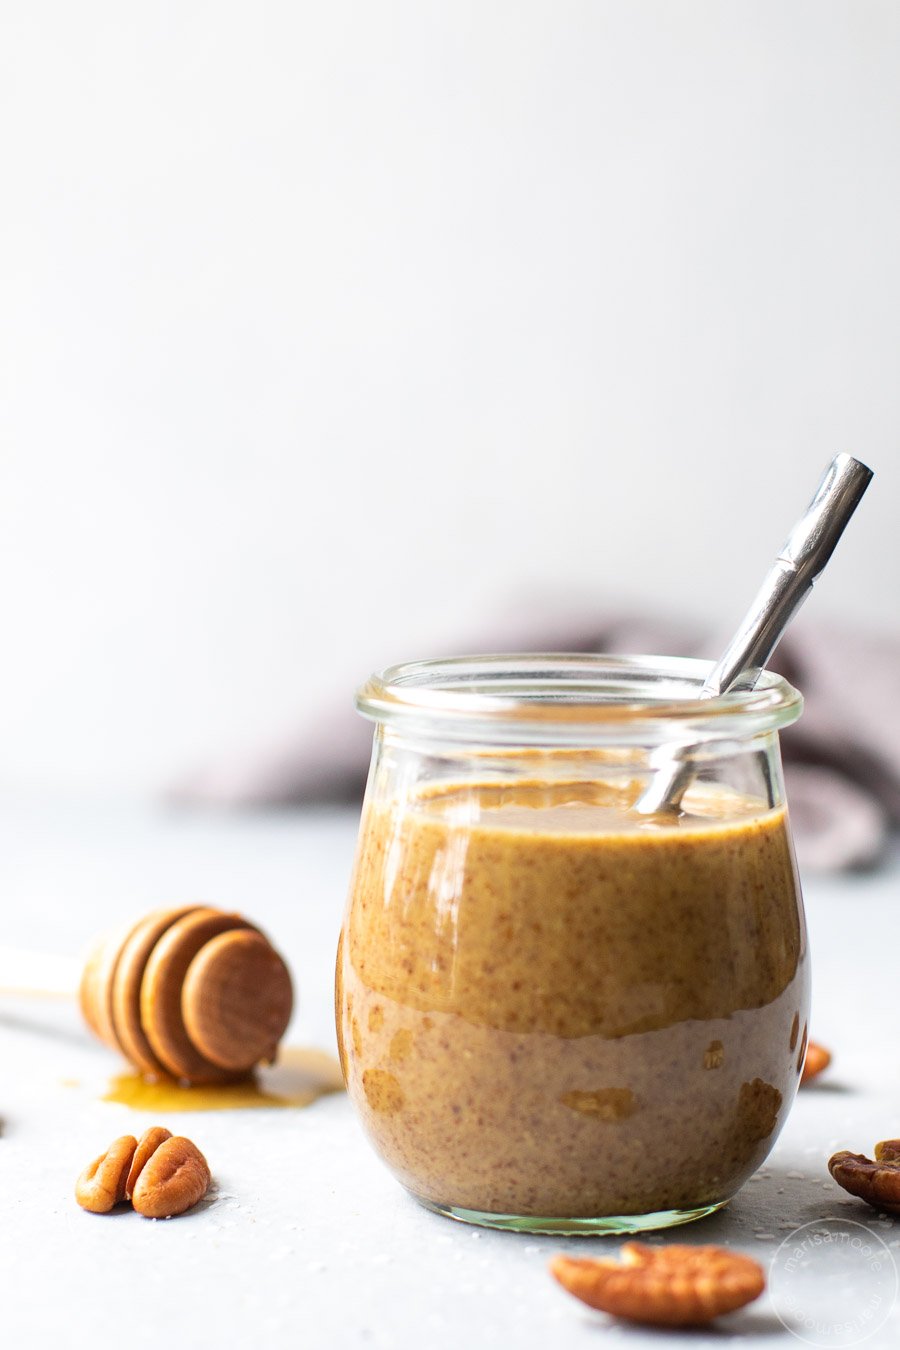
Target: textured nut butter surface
(548,1006)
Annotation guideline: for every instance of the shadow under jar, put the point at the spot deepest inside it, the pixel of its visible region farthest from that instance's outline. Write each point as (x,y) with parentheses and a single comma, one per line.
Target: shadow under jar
(556,1014)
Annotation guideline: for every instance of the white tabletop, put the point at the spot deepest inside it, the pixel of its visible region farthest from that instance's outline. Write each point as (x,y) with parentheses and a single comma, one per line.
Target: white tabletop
(306,1240)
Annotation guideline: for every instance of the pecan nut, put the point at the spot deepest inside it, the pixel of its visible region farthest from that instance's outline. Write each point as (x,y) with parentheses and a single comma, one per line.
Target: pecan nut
(160,1174)
(174,1179)
(101,1186)
(672,1286)
(147,1145)
(877,1182)
(817,1058)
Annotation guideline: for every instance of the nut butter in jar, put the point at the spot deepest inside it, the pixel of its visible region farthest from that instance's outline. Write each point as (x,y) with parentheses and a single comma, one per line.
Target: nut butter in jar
(557,1014)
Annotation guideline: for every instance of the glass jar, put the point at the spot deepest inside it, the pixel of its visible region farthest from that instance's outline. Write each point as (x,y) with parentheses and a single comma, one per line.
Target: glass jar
(555,1013)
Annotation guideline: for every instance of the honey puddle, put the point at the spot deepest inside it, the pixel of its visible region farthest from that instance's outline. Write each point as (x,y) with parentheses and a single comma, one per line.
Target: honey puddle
(300,1078)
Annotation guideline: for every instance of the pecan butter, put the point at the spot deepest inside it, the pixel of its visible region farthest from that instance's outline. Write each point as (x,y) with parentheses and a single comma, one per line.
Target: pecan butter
(549,1005)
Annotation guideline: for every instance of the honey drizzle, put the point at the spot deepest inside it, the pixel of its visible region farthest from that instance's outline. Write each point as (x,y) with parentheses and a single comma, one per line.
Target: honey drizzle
(301,1076)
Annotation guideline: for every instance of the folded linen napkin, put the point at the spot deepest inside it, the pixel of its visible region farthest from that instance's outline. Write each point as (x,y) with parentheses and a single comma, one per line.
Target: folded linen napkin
(842,759)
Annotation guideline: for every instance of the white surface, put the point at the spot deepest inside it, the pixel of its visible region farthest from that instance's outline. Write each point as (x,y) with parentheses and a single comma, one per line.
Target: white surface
(326,324)
(308,1241)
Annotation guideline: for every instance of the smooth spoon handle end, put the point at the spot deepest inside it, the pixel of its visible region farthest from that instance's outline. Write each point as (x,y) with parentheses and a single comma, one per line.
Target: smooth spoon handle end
(812,540)
(789,581)
(808,547)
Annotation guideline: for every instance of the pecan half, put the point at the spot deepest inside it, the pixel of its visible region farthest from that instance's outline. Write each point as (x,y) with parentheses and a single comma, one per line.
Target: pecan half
(173,1179)
(147,1145)
(878,1182)
(101,1186)
(817,1059)
(672,1286)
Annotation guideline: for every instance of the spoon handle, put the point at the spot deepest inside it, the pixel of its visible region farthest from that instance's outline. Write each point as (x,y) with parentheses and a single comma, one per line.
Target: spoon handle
(809,546)
(789,581)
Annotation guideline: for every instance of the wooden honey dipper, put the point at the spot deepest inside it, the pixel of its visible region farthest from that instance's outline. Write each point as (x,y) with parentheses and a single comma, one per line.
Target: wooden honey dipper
(192,992)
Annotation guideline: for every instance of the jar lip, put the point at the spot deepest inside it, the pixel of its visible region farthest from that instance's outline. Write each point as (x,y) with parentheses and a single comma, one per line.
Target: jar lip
(553,692)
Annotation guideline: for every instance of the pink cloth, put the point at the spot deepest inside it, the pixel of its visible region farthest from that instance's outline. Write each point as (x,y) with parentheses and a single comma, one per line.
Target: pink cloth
(842,760)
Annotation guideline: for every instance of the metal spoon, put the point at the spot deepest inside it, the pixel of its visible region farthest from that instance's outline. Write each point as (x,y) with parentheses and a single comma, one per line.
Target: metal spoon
(789,581)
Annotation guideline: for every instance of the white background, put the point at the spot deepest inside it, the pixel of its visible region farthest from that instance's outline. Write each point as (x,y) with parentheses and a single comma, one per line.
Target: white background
(326,327)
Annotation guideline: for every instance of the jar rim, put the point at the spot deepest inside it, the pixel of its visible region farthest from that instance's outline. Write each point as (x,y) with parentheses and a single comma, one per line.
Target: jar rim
(553,696)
